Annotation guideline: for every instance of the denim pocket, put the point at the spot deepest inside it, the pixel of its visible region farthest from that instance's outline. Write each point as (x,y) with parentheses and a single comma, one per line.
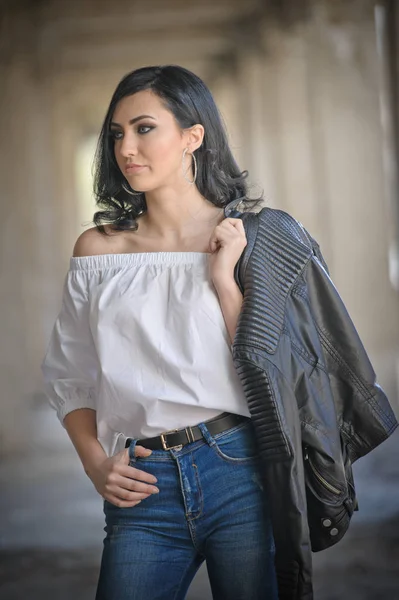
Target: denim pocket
(237,445)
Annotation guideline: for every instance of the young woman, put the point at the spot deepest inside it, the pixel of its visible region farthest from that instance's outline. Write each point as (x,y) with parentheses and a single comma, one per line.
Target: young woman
(139,364)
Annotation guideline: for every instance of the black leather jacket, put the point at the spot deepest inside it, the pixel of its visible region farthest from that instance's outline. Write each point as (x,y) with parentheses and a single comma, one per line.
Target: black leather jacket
(311,391)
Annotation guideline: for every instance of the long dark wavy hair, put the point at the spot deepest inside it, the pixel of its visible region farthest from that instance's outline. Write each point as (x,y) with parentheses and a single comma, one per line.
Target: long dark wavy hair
(219,179)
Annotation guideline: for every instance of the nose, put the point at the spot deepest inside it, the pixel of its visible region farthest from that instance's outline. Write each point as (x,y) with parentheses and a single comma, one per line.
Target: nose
(128,146)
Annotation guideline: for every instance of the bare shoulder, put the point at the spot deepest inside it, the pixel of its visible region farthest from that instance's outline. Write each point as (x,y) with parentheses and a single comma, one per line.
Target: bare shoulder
(91,242)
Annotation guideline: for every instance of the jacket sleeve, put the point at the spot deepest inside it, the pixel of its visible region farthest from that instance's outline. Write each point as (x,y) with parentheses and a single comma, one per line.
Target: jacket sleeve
(70,366)
(365,416)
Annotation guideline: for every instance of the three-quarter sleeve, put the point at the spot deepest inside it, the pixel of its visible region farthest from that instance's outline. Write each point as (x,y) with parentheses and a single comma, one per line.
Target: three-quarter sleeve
(70,367)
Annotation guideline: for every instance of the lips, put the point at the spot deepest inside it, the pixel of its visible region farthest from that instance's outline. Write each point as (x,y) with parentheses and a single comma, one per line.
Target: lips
(133,168)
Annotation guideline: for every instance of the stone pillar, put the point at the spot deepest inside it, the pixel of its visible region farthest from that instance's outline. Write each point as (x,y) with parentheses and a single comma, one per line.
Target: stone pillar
(26,269)
(310,130)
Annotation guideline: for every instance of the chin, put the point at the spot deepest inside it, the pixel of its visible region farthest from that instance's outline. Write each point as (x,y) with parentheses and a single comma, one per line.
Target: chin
(139,183)
(143,188)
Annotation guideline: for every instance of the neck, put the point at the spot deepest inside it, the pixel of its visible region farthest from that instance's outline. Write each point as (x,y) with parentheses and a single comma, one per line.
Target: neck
(173,216)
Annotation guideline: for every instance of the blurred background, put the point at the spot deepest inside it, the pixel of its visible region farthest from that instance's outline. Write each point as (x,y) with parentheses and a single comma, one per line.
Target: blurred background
(308,91)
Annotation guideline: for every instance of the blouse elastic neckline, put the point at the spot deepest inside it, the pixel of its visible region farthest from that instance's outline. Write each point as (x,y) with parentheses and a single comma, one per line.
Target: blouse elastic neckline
(100,261)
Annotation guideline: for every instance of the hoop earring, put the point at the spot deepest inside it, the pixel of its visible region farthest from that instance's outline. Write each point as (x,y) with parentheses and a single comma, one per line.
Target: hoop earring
(130,192)
(195,166)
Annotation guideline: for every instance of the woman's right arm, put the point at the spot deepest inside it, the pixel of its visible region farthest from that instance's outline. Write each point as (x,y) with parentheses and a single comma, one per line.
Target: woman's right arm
(71,371)
(82,429)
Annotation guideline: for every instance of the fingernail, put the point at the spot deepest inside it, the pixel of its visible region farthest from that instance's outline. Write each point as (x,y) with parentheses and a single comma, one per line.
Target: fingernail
(156,491)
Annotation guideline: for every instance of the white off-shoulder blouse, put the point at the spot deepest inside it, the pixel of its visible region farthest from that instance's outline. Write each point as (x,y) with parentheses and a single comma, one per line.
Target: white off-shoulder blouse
(141,339)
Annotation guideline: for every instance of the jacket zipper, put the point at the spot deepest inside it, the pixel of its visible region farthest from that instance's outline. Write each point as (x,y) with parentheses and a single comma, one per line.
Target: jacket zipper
(320,477)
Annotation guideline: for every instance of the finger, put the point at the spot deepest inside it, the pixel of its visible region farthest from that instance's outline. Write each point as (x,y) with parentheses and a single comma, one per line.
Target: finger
(230,236)
(213,243)
(236,227)
(124,455)
(141,451)
(224,234)
(234,223)
(119,485)
(121,503)
(133,485)
(239,224)
(124,494)
(133,473)
(231,220)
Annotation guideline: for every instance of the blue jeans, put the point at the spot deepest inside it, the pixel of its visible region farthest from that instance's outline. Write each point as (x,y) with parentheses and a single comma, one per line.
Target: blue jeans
(210,507)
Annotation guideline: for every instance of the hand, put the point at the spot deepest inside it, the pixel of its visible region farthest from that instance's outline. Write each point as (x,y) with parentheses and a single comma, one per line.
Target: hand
(226,244)
(121,484)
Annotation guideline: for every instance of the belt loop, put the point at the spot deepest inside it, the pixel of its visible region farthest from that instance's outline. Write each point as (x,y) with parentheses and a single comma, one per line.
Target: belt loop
(207,435)
(131,445)
(190,435)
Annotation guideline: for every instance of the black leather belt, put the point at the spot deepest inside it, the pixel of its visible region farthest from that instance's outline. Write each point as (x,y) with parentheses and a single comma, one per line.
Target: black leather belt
(178,438)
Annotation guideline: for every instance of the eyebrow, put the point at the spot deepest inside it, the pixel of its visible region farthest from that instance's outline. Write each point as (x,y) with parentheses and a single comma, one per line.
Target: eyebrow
(133,121)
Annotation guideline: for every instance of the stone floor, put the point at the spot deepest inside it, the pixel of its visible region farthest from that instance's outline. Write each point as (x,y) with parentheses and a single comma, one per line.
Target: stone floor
(52,526)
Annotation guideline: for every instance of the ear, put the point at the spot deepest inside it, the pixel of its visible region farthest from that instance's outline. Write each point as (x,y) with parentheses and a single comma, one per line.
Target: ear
(194,137)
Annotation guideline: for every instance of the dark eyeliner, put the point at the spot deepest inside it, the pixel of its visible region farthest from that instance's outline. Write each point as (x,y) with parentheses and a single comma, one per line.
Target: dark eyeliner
(113,133)
(148,127)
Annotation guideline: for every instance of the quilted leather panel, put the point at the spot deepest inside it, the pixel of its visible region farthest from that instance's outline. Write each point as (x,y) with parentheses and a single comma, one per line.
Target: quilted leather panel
(272,442)
(269,276)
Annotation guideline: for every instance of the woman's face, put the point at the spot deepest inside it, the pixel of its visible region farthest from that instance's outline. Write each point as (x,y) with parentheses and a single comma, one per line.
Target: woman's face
(148,143)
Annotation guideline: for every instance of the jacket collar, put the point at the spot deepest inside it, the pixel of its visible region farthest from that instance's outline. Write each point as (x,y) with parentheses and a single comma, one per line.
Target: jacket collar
(231,209)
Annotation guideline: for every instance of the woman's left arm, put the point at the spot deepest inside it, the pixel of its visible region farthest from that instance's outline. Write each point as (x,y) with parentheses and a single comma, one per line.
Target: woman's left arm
(230,298)
(227,242)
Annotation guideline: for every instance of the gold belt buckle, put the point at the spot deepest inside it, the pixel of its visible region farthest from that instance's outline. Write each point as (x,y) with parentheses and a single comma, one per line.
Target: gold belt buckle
(164,446)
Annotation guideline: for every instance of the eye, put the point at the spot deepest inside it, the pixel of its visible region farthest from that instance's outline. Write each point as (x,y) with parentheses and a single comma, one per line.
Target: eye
(142,129)
(116,135)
